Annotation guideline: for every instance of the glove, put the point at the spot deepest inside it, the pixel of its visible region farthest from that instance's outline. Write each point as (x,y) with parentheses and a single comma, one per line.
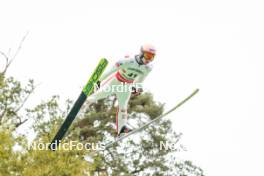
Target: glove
(136,92)
(98,83)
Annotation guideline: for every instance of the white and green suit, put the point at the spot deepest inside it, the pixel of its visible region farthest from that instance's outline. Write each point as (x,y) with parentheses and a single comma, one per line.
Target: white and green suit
(127,72)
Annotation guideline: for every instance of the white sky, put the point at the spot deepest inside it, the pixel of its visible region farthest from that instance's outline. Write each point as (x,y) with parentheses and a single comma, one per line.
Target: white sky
(216,46)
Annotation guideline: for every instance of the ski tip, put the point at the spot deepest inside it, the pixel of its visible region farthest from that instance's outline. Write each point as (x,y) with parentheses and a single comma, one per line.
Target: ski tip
(195,92)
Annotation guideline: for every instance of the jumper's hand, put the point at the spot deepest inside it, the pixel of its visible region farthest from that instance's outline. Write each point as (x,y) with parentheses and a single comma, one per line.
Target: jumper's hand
(98,83)
(136,92)
(97,86)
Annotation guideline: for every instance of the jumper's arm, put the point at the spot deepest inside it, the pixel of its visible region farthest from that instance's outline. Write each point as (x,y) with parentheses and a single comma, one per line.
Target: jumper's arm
(110,72)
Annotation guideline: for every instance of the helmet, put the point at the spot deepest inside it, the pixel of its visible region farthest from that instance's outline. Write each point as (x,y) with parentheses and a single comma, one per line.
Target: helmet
(147,53)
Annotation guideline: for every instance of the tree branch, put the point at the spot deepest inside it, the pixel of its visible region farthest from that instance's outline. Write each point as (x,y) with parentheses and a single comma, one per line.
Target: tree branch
(4,112)
(8,62)
(25,100)
(20,121)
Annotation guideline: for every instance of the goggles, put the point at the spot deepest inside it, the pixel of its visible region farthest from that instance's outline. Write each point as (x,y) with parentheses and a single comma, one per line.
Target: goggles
(148,56)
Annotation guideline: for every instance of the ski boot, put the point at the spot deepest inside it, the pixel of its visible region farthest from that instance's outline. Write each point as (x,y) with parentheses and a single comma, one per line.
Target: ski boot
(124,130)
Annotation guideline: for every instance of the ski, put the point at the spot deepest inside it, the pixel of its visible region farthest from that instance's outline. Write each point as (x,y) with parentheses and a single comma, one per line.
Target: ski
(110,144)
(87,90)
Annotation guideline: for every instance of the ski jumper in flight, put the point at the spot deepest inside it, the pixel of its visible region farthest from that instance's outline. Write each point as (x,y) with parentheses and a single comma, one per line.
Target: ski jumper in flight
(122,80)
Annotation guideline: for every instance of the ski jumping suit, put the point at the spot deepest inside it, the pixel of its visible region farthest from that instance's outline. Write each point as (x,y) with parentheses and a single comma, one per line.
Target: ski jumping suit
(127,72)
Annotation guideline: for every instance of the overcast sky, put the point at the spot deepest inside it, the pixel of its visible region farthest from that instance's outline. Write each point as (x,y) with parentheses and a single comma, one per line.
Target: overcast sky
(216,46)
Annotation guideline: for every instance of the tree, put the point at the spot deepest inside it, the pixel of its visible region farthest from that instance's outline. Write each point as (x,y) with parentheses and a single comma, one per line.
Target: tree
(17,157)
(28,160)
(140,155)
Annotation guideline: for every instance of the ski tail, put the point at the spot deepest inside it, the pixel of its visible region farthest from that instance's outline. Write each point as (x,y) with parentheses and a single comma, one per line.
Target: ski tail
(87,90)
(110,144)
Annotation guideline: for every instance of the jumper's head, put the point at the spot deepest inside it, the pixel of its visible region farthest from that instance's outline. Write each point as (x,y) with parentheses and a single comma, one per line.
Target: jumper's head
(147,53)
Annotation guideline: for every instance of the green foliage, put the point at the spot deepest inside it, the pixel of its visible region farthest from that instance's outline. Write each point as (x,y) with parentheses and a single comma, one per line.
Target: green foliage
(9,164)
(138,155)
(1,80)
(17,156)
(141,154)
(12,99)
